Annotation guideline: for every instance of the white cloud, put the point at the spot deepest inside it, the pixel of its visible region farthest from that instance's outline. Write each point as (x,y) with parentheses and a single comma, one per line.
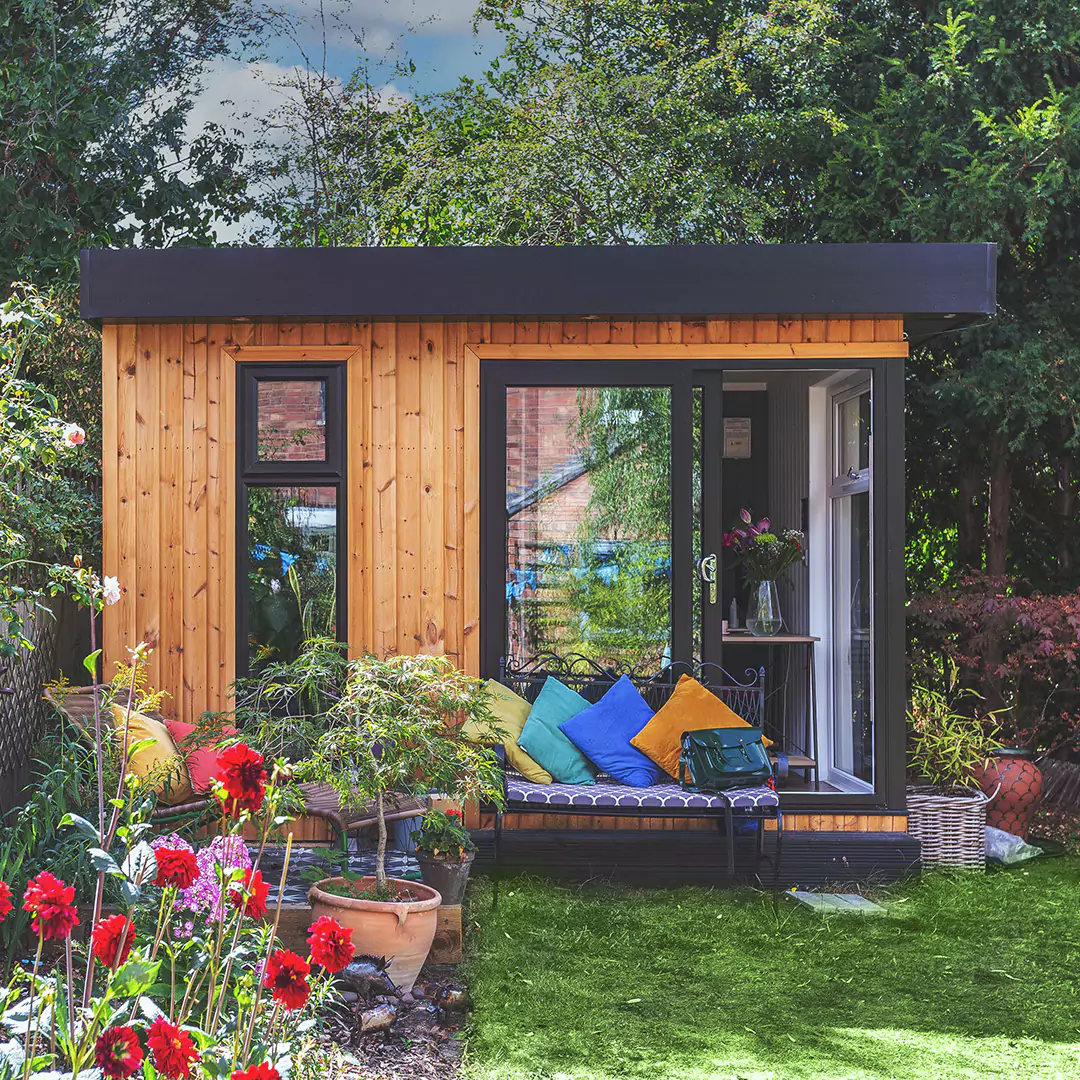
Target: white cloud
(384,18)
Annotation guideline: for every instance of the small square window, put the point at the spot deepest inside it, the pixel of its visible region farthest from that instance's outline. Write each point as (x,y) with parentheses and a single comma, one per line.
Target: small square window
(291,419)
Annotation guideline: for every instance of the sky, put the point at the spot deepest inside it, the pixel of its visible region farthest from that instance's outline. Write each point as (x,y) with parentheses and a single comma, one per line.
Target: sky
(436,34)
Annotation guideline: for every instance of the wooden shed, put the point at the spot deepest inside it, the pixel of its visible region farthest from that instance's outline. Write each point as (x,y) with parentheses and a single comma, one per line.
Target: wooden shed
(505,454)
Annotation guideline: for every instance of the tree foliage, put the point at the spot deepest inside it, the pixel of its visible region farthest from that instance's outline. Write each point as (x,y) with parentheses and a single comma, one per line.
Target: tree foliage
(95,96)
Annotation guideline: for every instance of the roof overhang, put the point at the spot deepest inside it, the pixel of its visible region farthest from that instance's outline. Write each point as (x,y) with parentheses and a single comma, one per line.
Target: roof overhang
(934,286)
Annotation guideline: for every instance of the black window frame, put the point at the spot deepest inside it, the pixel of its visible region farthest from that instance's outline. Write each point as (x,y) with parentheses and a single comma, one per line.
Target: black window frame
(251,472)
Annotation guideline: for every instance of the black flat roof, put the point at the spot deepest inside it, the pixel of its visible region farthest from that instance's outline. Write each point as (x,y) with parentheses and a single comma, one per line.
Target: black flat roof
(937,285)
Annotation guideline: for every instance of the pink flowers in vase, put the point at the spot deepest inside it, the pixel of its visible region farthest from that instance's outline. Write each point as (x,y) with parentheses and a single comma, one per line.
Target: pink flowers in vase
(764,554)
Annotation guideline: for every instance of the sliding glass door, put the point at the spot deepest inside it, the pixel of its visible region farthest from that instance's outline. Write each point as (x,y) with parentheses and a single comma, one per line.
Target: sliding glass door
(588,524)
(608,490)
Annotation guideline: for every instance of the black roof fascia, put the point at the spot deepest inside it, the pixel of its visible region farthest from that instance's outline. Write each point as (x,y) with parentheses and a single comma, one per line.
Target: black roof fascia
(939,284)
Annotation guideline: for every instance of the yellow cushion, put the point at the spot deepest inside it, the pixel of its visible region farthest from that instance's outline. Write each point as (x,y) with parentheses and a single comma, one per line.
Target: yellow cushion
(160,762)
(509,712)
(690,708)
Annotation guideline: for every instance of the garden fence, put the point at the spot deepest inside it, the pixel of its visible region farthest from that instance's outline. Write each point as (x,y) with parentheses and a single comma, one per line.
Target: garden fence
(23,710)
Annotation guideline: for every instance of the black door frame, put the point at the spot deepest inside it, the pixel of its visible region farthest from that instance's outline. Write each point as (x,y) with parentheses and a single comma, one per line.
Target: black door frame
(681,376)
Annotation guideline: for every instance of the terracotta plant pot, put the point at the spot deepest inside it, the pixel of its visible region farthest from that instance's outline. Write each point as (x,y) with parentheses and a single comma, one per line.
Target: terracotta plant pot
(400,932)
(1020,793)
(447,877)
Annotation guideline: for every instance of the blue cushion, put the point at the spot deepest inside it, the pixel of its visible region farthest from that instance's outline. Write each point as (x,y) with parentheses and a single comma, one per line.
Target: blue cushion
(603,732)
(542,740)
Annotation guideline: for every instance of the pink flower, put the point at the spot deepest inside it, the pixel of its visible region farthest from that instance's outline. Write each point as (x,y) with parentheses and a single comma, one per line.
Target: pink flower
(74,435)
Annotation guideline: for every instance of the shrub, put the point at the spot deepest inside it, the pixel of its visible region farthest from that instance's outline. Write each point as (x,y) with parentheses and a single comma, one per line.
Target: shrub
(1015,646)
(398,728)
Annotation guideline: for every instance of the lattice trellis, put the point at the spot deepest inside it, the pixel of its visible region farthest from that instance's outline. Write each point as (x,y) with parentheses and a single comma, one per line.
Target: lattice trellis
(23,711)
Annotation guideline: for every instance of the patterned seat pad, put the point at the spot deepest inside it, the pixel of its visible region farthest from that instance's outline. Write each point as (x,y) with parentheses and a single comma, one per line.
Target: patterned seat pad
(605,793)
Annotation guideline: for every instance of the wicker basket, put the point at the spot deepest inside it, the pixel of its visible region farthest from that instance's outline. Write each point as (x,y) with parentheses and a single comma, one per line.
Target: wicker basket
(950,827)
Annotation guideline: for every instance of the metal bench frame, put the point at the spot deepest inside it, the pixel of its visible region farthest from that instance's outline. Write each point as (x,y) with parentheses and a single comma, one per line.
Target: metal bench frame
(592,680)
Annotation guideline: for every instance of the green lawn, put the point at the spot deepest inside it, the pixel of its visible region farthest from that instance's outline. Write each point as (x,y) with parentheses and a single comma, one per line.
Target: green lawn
(966,977)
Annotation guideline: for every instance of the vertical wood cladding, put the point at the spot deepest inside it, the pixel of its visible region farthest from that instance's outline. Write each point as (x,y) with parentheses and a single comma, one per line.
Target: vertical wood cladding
(412,434)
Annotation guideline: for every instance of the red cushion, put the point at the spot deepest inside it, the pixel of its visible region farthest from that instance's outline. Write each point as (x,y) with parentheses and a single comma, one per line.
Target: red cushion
(201,760)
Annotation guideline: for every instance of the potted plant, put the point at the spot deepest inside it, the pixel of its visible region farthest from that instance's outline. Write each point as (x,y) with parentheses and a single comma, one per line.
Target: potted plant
(445,852)
(398,729)
(948,748)
(764,556)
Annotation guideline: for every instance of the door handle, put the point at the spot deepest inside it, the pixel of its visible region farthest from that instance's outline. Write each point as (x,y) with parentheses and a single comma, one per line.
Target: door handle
(707,570)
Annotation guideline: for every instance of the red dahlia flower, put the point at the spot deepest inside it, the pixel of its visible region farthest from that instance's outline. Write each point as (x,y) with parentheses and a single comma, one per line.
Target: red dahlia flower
(330,943)
(243,774)
(5,901)
(251,895)
(117,1052)
(176,868)
(286,975)
(265,1071)
(52,903)
(173,1050)
(107,936)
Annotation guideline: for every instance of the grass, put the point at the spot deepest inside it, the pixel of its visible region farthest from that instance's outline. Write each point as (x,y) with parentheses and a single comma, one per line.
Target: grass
(967,976)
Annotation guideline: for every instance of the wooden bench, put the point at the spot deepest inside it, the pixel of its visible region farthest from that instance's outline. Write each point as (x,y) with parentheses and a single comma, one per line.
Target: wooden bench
(609,799)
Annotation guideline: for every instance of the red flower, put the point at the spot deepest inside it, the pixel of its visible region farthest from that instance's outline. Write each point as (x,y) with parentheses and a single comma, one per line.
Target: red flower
(243,774)
(286,975)
(52,903)
(265,1071)
(117,1052)
(454,814)
(330,943)
(5,901)
(106,938)
(173,1050)
(251,896)
(176,868)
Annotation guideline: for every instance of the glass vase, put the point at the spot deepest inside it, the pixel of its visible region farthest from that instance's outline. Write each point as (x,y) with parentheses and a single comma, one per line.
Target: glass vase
(763,613)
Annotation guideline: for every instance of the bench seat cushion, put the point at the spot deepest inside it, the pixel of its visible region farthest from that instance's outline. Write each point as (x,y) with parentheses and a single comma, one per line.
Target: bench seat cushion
(602,794)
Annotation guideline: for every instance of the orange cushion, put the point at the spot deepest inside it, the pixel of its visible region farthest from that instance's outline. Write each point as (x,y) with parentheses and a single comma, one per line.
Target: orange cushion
(201,760)
(690,708)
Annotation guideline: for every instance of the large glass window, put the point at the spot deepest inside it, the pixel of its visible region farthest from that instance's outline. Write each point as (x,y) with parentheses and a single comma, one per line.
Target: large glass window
(588,523)
(850,491)
(291,535)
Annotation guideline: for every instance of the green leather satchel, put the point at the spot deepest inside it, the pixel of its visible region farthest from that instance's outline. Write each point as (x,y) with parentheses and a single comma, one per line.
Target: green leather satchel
(719,759)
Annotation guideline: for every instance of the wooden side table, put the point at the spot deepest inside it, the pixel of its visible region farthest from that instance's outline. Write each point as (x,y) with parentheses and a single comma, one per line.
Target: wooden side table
(806,761)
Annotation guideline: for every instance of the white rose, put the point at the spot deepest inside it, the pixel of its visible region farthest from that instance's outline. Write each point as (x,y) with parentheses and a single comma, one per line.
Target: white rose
(110,590)
(74,435)
(275,586)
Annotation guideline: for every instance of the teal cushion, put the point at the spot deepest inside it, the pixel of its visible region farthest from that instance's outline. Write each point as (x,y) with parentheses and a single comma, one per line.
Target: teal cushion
(542,740)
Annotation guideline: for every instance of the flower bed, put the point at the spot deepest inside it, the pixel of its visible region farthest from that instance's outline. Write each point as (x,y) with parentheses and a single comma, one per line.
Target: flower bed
(189,979)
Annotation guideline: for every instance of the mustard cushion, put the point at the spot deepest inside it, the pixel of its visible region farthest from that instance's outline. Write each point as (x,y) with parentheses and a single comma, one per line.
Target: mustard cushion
(160,762)
(509,712)
(690,708)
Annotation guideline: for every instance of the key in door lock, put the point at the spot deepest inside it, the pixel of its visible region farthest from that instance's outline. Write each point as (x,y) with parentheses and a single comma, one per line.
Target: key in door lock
(707,570)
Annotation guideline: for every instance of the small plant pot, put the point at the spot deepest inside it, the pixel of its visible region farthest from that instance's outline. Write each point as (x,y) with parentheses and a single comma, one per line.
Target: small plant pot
(400,932)
(447,877)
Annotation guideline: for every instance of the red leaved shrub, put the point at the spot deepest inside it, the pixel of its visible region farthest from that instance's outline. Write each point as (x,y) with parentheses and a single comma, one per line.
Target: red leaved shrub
(1015,646)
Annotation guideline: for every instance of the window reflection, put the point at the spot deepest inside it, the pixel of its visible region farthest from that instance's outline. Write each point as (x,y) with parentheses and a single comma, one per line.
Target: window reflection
(292,569)
(291,419)
(588,536)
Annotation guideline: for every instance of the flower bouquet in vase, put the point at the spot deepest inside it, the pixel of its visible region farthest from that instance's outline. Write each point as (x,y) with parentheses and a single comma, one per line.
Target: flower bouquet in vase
(764,555)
